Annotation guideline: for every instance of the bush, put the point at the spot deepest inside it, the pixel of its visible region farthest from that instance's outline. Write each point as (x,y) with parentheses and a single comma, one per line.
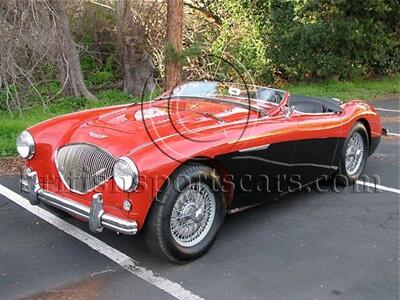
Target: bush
(101,77)
(331,39)
(241,38)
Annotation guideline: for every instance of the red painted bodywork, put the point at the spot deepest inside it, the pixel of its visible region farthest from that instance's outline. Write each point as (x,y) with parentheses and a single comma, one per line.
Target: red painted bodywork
(178,131)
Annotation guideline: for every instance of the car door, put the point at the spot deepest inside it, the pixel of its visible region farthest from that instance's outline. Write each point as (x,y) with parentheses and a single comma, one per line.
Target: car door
(262,173)
(317,143)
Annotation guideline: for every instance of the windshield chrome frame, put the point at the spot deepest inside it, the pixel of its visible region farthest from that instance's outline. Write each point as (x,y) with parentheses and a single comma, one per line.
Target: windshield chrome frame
(249,106)
(224,82)
(254,107)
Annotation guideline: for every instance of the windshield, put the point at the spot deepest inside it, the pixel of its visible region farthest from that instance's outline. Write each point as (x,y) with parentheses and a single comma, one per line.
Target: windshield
(212,89)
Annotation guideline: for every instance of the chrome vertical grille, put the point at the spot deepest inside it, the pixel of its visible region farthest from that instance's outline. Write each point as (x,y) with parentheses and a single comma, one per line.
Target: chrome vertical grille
(83,167)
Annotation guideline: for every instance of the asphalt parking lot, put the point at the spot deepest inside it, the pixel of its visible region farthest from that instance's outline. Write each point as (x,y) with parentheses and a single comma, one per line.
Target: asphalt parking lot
(311,245)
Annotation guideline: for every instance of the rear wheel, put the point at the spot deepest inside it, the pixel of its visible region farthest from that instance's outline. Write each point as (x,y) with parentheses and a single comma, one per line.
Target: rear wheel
(354,155)
(184,221)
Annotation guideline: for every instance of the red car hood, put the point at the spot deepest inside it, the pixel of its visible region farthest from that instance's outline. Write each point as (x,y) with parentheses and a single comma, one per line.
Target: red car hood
(121,129)
(168,117)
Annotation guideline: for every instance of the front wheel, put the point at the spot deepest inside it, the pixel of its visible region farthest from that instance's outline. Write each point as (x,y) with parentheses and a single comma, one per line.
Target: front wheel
(185,219)
(354,155)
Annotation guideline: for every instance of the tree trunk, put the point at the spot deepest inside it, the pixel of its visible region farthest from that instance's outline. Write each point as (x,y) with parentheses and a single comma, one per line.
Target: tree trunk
(137,64)
(67,55)
(173,67)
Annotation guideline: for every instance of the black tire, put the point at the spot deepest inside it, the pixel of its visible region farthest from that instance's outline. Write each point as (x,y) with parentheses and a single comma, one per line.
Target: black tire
(157,230)
(342,176)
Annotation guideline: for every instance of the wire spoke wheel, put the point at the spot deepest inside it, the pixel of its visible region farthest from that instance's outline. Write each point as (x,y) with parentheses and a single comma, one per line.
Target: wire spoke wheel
(354,153)
(193,214)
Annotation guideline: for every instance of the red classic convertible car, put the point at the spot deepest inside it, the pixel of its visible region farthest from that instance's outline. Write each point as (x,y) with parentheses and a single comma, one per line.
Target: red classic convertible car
(176,165)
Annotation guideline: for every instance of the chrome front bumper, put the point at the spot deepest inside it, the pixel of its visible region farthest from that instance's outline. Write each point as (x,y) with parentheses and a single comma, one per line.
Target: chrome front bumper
(94,214)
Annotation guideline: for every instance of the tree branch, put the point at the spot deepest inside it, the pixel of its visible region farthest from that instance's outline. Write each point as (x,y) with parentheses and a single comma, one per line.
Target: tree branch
(101,4)
(206,12)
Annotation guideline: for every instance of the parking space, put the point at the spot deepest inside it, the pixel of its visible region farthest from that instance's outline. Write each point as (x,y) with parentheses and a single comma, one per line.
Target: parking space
(389,110)
(311,245)
(39,260)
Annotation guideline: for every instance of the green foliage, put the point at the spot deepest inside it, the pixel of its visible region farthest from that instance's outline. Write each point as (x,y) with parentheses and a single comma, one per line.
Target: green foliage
(280,40)
(6,97)
(113,97)
(95,72)
(240,38)
(350,90)
(111,65)
(94,31)
(87,63)
(101,77)
(269,41)
(181,56)
(12,125)
(308,39)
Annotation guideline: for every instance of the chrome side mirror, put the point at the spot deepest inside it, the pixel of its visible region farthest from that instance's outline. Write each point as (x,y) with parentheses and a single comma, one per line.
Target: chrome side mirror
(287,111)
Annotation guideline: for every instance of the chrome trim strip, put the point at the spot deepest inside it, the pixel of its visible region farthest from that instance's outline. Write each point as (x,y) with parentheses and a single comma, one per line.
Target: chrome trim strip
(218,126)
(83,212)
(318,113)
(287,164)
(263,147)
(74,208)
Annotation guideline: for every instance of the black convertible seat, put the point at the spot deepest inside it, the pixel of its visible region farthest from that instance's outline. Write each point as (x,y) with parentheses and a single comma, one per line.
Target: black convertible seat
(314,105)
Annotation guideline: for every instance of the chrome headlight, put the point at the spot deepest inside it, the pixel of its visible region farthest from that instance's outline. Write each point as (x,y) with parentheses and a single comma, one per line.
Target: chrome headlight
(126,174)
(25,145)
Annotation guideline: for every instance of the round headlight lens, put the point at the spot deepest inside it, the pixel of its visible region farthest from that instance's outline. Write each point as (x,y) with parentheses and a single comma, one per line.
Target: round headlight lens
(126,174)
(25,145)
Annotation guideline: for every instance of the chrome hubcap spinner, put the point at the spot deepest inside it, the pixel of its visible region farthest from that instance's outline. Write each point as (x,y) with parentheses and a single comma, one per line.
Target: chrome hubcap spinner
(193,215)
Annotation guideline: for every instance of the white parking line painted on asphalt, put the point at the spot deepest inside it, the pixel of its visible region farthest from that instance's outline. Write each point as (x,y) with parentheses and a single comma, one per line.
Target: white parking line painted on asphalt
(378,186)
(393,134)
(385,109)
(168,286)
